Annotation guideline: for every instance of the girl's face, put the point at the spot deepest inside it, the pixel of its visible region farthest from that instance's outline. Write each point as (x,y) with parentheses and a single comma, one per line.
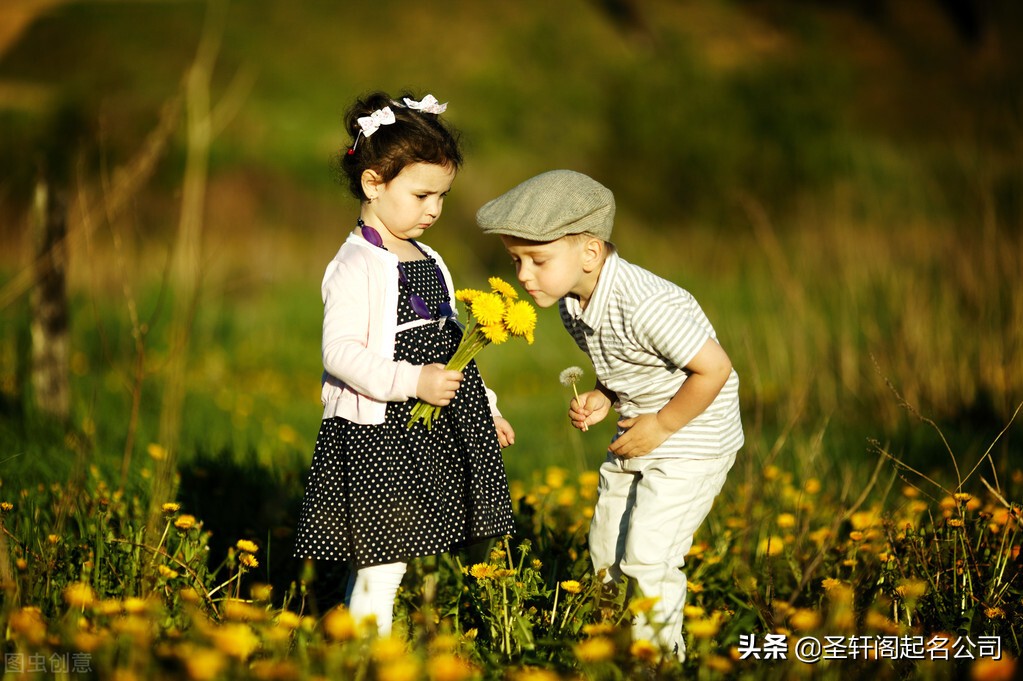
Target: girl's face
(552,270)
(409,204)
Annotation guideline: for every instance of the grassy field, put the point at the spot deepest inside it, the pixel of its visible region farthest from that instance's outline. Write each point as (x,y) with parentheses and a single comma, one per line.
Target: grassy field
(855,239)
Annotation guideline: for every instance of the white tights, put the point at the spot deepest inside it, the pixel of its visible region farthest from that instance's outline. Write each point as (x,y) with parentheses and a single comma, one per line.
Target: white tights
(371,592)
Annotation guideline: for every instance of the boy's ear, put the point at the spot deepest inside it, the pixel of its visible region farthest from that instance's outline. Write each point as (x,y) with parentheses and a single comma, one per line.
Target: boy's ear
(593,253)
(371,180)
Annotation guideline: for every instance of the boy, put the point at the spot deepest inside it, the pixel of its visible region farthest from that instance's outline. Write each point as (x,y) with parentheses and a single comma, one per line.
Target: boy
(657,363)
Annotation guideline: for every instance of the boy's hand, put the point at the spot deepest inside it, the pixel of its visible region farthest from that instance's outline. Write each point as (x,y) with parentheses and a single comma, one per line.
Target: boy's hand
(438,385)
(643,434)
(505,433)
(589,408)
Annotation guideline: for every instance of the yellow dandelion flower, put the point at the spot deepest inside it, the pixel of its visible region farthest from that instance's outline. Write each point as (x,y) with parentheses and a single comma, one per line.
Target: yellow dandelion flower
(404,669)
(28,622)
(598,629)
(804,619)
(555,476)
(21,564)
(202,664)
(246,545)
(571,586)
(6,506)
(644,650)
(500,286)
(786,521)
(248,560)
(488,309)
(288,620)
(387,648)
(771,472)
(856,535)
(166,572)
(137,606)
(693,611)
(955,522)
(962,497)
(448,667)
(339,624)
(994,613)
(831,583)
(235,639)
(185,522)
(53,538)
(812,486)
(495,333)
(79,595)
(482,571)
(694,587)
(242,611)
(596,649)
(707,627)
(171,507)
(717,663)
(638,605)
(520,318)
(467,295)
(261,593)
(156,452)
(771,546)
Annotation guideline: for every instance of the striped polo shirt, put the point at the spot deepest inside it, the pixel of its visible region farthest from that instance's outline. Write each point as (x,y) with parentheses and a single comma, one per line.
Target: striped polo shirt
(640,331)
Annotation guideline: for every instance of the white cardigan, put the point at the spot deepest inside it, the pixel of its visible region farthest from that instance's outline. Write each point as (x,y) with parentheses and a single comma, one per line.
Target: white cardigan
(360,302)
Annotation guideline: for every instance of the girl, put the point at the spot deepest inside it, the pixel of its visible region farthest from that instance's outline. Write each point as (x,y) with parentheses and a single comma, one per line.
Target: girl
(380,492)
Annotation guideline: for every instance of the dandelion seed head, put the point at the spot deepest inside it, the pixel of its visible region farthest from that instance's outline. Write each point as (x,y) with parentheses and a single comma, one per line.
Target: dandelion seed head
(570,376)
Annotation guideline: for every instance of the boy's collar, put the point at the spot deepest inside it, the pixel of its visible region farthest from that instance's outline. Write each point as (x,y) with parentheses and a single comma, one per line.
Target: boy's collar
(593,313)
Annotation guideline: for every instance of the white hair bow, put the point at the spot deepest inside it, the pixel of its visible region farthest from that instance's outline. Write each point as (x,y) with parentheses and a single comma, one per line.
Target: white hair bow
(371,123)
(428,105)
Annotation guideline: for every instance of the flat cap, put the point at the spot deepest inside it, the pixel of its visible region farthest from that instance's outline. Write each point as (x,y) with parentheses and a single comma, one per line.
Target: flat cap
(550,206)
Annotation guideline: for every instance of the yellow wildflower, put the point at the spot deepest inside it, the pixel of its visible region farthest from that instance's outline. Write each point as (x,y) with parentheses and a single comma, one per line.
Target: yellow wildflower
(339,624)
(534,674)
(482,571)
(771,546)
(202,664)
(644,650)
(387,648)
(502,287)
(171,507)
(403,669)
(911,589)
(166,572)
(236,640)
(466,295)
(992,669)
(804,619)
(6,506)
(488,309)
(288,620)
(495,333)
(786,521)
(704,628)
(246,545)
(248,560)
(448,667)
(185,522)
(717,663)
(598,629)
(595,649)
(79,595)
(812,486)
(241,611)
(571,586)
(994,613)
(156,452)
(638,605)
(520,318)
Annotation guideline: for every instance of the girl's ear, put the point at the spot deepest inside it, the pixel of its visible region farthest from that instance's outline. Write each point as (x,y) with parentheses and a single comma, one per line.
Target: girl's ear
(371,182)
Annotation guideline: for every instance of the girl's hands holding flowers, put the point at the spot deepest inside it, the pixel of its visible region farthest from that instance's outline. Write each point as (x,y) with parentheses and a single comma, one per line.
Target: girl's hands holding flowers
(438,385)
(589,408)
(505,433)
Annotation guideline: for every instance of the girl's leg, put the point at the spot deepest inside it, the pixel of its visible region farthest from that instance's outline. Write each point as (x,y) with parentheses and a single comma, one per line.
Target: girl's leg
(371,592)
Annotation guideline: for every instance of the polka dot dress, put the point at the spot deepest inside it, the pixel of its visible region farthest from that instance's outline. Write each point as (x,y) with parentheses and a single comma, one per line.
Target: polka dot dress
(384,493)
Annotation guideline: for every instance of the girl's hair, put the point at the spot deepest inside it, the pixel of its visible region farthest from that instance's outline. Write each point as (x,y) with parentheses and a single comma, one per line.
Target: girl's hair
(414,137)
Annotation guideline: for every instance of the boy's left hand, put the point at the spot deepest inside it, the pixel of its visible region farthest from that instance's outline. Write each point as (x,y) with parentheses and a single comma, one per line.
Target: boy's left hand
(505,432)
(643,434)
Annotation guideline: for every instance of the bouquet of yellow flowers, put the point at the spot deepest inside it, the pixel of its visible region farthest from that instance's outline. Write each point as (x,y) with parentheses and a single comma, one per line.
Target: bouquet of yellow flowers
(495,316)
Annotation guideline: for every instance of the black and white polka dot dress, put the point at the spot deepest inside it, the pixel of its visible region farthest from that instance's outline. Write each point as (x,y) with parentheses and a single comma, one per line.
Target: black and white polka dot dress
(385,493)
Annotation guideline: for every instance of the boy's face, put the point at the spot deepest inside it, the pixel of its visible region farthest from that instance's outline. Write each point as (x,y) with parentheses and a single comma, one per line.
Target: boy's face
(551,270)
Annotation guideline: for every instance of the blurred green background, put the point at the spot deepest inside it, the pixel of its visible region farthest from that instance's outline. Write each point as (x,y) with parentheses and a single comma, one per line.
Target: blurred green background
(839,183)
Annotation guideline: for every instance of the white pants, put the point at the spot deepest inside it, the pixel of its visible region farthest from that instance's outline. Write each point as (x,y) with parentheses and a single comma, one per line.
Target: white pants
(371,592)
(647,511)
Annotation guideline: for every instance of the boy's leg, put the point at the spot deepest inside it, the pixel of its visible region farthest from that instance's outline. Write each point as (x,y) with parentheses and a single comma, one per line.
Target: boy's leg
(673,498)
(616,493)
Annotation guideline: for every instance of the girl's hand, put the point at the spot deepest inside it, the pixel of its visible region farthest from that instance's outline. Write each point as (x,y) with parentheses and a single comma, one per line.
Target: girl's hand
(505,433)
(589,408)
(438,385)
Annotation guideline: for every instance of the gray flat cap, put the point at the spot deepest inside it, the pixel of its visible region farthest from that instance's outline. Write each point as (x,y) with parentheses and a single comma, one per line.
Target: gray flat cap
(550,206)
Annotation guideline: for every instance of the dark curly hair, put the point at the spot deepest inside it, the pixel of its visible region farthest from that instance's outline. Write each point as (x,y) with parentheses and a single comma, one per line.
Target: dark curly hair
(414,137)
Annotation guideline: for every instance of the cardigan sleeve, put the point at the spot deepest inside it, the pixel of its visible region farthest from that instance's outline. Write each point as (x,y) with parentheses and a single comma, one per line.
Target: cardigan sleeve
(351,296)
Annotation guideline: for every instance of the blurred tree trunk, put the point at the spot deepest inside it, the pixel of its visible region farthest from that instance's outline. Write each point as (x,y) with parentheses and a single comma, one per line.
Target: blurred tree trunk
(48,302)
